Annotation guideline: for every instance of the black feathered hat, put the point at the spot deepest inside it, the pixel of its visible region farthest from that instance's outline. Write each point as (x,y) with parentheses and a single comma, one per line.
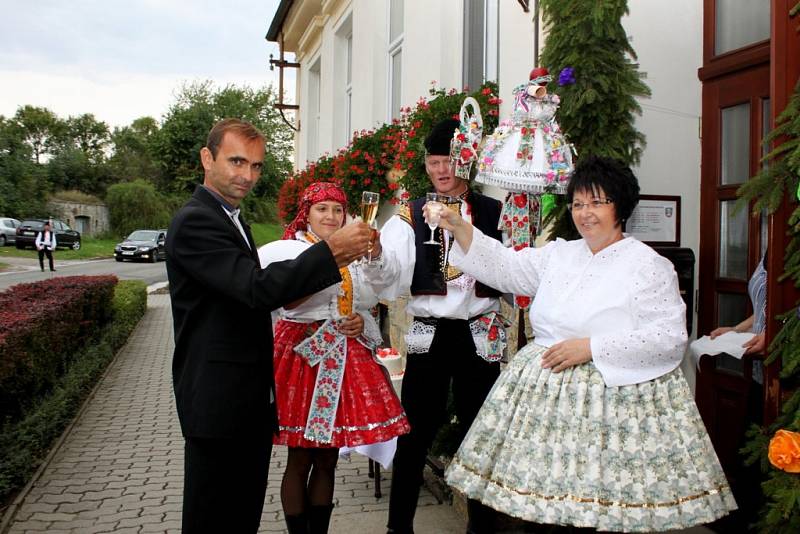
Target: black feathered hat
(438,141)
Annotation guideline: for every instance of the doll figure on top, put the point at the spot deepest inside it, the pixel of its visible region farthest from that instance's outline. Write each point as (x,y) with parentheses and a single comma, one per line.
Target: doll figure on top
(528,153)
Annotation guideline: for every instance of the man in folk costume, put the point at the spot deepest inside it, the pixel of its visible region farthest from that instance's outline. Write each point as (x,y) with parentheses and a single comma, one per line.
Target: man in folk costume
(456,336)
(45,245)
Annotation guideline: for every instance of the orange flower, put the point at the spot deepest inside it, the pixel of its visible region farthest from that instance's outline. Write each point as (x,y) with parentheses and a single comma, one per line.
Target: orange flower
(784,451)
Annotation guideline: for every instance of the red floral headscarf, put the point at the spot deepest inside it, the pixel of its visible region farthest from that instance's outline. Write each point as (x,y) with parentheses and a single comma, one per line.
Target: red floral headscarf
(314,193)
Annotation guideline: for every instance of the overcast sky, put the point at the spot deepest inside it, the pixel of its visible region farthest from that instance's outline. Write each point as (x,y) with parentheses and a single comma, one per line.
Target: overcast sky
(121,60)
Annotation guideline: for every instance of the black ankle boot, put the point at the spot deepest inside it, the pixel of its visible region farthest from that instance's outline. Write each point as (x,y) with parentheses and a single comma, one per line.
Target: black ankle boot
(319,517)
(297,524)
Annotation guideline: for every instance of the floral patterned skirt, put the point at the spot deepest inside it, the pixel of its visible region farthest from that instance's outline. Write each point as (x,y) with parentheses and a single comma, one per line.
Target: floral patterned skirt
(565,449)
(368,411)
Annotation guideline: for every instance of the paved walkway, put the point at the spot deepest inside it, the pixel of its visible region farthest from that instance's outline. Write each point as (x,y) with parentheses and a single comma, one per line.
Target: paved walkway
(119,468)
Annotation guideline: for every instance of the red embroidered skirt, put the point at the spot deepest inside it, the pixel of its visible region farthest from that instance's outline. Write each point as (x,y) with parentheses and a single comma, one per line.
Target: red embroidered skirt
(368,411)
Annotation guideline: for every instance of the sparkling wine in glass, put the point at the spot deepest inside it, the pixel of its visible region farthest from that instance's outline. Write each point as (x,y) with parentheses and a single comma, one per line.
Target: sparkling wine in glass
(434,212)
(369,207)
(369,211)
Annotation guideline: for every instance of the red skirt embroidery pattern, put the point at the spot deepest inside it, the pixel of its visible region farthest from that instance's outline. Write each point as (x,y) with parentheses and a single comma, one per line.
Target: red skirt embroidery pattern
(368,411)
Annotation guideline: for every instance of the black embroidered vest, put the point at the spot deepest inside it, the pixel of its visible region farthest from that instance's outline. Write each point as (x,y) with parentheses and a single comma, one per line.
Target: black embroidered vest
(428,278)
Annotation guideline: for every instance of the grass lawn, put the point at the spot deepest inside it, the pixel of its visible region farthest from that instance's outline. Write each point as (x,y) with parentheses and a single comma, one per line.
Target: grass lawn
(90,248)
(265,233)
(104,248)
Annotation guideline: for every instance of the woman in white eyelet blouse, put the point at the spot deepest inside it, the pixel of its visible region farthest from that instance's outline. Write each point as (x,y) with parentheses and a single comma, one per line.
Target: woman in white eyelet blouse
(592,424)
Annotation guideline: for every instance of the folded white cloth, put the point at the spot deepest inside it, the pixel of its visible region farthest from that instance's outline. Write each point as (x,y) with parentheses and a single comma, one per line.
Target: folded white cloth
(729,343)
(383,452)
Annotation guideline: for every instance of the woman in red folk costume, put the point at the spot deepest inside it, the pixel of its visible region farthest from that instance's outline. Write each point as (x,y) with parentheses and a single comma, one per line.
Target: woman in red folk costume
(331,392)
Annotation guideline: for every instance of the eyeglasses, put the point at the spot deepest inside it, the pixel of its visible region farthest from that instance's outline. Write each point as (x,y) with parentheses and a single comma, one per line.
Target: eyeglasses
(596,203)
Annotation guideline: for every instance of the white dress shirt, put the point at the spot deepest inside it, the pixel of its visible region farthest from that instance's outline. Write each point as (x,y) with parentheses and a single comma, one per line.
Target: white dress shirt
(234,215)
(323,304)
(625,299)
(396,268)
(45,240)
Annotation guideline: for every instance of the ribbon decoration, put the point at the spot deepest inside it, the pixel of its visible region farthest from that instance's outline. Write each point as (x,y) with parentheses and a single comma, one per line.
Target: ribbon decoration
(521,218)
(326,349)
(489,335)
(466,139)
(547,202)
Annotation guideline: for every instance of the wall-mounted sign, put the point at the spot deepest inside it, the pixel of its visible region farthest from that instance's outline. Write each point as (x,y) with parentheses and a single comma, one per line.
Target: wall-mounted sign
(657,220)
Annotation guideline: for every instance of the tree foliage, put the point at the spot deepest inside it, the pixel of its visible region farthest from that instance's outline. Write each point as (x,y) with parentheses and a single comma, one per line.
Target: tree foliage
(134,205)
(134,153)
(41,153)
(187,123)
(40,129)
(767,190)
(87,135)
(22,182)
(598,111)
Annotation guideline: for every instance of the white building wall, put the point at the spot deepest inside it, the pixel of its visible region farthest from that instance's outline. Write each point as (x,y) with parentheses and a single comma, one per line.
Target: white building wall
(370,63)
(432,48)
(309,51)
(668,41)
(667,37)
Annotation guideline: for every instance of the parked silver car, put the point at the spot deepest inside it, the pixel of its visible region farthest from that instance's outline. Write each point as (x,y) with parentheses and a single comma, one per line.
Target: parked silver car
(142,245)
(8,230)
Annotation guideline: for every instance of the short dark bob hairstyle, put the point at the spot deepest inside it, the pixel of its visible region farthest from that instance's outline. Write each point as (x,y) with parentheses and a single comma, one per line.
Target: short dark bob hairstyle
(613,177)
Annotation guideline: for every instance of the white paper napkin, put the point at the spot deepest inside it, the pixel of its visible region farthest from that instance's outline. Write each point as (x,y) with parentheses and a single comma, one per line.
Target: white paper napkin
(729,343)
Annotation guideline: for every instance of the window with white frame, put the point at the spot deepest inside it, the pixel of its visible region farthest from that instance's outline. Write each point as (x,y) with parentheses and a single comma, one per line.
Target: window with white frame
(481,41)
(312,128)
(395,56)
(343,82)
(348,87)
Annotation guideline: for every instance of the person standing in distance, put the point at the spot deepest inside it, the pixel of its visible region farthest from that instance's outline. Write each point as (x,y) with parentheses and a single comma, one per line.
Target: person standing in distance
(45,245)
(222,364)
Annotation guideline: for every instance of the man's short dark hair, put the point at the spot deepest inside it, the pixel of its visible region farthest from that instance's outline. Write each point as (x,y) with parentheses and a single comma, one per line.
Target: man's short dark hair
(236,126)
(612,176)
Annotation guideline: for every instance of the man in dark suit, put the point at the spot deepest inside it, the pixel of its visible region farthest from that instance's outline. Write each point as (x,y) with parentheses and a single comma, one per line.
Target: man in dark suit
(221,303)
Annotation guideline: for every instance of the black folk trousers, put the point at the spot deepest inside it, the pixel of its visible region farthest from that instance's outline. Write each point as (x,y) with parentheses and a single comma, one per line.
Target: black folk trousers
(426,385)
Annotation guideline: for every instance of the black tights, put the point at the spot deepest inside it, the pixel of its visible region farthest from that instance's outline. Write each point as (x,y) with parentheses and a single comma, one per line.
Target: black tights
(308,479)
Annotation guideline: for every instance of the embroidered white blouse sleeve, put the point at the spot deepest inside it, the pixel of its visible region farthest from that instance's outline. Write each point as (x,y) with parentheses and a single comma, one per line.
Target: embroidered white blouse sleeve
(391,276)
(502,268)
(655,344)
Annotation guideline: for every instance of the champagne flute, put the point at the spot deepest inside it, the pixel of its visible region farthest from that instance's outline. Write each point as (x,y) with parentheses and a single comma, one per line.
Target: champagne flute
(369,211)
(434,211)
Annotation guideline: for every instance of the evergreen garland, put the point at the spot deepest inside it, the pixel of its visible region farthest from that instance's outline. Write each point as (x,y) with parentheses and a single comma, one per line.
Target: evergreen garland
(766,191)
(598,111)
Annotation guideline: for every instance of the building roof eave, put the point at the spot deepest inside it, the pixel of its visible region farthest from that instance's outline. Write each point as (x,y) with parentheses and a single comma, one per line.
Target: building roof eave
(276,25)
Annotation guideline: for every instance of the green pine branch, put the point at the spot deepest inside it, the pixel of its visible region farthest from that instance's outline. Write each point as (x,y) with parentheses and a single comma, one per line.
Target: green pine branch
(597,112)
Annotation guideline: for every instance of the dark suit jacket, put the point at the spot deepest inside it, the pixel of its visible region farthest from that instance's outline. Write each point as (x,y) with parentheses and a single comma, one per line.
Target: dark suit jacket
(221,303)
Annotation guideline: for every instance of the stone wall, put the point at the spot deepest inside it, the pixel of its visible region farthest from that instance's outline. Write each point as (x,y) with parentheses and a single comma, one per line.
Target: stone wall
(88,219)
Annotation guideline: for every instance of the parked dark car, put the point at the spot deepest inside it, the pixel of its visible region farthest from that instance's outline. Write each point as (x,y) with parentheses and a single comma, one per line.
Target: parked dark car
(66,237)
(8,230)
(142,245)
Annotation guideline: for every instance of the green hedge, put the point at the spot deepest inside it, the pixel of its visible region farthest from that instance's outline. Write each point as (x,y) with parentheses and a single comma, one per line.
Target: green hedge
(25,443)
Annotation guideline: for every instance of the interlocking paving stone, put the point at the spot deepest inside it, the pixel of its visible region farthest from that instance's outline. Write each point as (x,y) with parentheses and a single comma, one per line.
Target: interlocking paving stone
(120,468)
